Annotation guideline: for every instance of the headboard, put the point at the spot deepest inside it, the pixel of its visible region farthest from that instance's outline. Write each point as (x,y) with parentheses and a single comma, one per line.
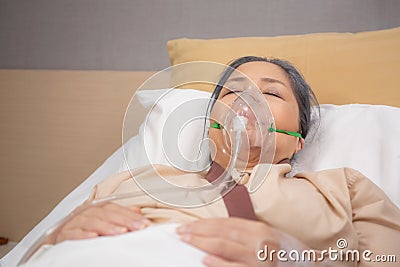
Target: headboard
(57,128)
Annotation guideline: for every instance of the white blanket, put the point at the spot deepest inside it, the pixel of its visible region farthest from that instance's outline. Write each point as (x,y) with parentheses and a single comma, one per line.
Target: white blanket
(154,246)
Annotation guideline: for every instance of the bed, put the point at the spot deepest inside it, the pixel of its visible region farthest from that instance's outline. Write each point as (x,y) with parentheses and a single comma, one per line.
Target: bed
(352,75)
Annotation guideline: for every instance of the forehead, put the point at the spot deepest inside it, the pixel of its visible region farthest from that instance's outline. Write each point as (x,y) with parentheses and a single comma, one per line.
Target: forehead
(259,69)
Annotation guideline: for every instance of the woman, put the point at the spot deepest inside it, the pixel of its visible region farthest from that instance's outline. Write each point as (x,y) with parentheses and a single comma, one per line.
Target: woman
(317,209)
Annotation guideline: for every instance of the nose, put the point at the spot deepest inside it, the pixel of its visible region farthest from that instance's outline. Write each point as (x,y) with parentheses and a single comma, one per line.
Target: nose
(243,109)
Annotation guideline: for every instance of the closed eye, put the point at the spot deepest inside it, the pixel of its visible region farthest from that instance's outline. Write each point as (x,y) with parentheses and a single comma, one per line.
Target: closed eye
(273,91)
(273,94)
(233,92)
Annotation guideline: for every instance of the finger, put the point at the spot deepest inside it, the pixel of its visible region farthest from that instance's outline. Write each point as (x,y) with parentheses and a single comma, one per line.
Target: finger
(74,234)
(135,209)
(126,217)
(118,215)
(213,261)
(99,226)
(222,248)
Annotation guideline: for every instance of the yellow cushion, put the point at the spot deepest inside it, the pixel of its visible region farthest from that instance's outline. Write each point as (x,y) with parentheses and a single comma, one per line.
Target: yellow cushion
(340,67)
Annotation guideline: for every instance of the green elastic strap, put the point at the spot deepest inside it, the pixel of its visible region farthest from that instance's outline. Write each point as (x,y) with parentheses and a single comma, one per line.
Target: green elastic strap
(296,134)
(215,125)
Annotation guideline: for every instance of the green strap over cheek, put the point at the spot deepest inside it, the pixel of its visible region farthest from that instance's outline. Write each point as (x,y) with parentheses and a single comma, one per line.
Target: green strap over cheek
(296,134)
(215,125)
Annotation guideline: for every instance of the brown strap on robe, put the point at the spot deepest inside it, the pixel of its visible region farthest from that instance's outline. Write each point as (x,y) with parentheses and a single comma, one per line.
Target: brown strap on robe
(237,201)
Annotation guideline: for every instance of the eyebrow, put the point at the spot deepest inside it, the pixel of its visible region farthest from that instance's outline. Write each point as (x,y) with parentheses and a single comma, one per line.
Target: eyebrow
(264,79)
(271,80)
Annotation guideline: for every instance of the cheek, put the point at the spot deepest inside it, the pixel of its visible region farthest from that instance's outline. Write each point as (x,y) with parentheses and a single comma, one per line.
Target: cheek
(286,116)
(285,145)
(219,111)
(216,138)
(214,141)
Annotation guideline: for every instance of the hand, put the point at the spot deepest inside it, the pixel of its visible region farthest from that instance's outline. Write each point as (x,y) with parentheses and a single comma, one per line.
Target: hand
(232,242)
(100,220)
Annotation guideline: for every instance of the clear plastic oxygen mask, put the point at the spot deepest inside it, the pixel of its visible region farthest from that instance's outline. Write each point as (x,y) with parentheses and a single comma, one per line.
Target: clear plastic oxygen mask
(245,129)
(251,109)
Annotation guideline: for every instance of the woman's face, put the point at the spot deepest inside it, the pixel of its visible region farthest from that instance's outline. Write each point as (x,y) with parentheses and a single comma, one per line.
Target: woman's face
(275,85)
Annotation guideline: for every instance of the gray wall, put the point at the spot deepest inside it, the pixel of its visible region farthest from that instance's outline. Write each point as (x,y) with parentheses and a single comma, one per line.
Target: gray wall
(132,35)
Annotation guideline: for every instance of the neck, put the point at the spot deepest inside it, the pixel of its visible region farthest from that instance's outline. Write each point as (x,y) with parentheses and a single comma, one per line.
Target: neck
(224,161)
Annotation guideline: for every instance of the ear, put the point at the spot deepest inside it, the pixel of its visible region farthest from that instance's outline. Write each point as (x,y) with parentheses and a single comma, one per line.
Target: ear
(300,145)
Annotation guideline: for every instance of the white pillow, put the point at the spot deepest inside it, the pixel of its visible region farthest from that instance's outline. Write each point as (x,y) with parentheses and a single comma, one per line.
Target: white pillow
(363,137)
(172,131)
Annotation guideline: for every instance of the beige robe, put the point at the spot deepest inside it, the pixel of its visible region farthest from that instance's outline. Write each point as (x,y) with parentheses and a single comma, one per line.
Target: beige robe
(318,208)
